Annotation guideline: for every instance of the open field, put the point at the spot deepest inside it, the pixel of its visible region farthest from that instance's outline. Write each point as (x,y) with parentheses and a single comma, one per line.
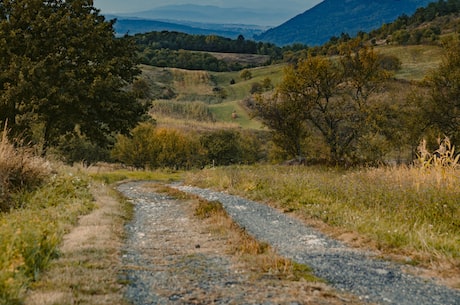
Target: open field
(223,91)
(416,60)
(243,59)
(241,88)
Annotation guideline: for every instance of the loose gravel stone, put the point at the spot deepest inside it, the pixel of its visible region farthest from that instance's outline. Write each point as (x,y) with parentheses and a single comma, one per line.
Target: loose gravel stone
(170,257)
(358,272)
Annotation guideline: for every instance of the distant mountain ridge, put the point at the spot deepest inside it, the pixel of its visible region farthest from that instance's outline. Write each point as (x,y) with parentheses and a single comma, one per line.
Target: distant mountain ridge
(262,16)
(333,17)
(132,26)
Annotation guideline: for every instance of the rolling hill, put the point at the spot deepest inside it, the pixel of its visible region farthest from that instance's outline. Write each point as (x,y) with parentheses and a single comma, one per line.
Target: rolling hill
(333,17)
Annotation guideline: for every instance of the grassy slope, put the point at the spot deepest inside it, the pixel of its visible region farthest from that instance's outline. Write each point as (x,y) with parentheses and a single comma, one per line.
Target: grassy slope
(198,85)
(416,60)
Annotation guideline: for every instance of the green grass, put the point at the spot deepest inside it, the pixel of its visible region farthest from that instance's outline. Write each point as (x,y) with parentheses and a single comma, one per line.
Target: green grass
(112,176)
(416,60)
(241,88)
(30,235)
(223,113)
(409,211)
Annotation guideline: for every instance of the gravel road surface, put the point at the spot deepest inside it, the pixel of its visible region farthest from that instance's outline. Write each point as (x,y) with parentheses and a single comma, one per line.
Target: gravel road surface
(360,273)
(172,257)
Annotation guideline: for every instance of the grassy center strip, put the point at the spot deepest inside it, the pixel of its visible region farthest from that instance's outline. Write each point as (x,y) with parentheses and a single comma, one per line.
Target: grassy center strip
(260,258)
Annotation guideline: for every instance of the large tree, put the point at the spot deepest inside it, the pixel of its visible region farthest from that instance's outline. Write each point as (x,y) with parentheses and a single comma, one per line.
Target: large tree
(331,97)
(441,110)
(62,69)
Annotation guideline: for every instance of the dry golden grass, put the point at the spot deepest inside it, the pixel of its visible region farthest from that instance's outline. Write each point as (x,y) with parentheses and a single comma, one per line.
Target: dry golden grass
(417,60)
(264,261)
(409,213)
(192,82)
(193,125)
(19,170)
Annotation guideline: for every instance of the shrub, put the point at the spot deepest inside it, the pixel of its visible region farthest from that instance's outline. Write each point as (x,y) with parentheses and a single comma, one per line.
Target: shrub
(19,170)
(75,147)
(158,148)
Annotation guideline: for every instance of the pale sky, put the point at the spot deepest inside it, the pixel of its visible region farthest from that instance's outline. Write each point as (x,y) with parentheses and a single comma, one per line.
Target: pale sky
(129,6)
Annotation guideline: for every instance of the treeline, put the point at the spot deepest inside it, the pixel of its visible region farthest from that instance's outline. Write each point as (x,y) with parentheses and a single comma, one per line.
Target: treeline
(187,60)
(350,110)
(404,29)
(186,51)
(207,43)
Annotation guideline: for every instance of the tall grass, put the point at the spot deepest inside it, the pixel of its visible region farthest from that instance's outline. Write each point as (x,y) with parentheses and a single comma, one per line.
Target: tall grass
(19,169)
(414,211)
(38,207)
(416,60)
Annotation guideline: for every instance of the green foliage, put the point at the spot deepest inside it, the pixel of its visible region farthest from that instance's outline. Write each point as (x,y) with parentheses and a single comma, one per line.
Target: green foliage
(225,147)
(62,67)
(441,110)
(405,29)
(177,149)
(30,236)
(186,60)
(153,147)
(75,147)
(207,43)
(285,121)
(246,74)
(327,97)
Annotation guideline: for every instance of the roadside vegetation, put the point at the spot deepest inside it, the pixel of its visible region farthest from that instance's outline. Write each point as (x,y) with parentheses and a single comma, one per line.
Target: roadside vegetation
(40,203)
(411,212)
(375,118)
(261,258)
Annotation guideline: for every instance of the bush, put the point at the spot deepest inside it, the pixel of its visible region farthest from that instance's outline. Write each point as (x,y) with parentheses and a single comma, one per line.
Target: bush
(225,147)
(158,148)
(74,147)
(19,170)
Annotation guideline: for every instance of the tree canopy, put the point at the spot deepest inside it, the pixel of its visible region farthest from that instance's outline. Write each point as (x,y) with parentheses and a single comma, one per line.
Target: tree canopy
(327,97)
(62,71)
(441,110)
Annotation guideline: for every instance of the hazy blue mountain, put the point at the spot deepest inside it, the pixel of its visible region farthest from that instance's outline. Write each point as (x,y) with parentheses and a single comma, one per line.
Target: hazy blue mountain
(133,26)
(263,16)
(333,17)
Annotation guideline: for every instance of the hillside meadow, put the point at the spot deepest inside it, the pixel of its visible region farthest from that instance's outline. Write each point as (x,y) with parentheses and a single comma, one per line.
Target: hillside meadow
(224,92)
(407,213)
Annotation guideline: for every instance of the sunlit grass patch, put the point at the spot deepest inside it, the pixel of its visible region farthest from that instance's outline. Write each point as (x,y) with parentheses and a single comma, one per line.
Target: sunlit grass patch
(262,259)
(407,210)
(112,176)
(30,235)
